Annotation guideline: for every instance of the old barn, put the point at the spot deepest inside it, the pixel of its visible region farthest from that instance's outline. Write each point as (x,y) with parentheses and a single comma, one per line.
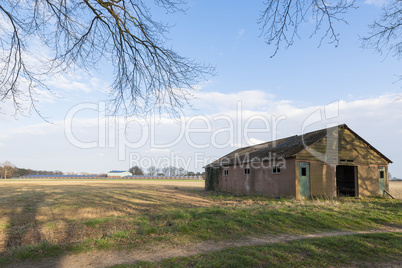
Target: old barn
(328,162)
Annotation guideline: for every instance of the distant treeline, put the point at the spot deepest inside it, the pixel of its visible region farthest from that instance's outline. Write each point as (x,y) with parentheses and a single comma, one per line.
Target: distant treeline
(19,172)
(8,170)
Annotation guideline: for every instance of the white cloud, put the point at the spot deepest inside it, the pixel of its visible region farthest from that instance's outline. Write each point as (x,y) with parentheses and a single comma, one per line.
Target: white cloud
(249,100)
(43,129)
(70,82)
(22,101)
(376,119)
(378,3)
(253,141)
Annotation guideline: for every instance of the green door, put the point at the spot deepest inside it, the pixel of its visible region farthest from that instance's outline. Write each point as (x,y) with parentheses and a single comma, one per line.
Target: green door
(304,179)
(382,178)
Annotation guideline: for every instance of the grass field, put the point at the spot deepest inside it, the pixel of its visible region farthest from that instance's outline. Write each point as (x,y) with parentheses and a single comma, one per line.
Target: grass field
(395,188)
(372,250)
(41,218)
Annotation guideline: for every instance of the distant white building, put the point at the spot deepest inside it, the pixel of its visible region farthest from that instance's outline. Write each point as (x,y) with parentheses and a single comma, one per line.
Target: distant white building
(119,173)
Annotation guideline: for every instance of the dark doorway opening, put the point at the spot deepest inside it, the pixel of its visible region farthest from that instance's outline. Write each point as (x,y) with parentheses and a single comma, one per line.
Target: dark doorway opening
(346,180)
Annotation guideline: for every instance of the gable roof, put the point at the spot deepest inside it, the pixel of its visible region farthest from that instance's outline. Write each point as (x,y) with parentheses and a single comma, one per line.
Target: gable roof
(368,144)
(282,148)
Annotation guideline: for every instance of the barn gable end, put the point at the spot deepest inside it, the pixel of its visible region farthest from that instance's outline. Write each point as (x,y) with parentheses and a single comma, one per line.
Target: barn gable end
(339,161)
(343,144)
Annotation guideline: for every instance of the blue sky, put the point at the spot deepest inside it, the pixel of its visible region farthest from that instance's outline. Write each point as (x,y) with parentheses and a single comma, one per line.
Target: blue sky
(361,85)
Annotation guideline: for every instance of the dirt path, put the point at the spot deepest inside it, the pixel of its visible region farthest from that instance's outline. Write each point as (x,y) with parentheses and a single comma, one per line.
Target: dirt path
(114,257)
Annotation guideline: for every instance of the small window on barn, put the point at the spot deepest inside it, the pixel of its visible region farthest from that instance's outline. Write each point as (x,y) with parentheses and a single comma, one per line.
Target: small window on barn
(226,172)
(382,174)
(276,170)
(246,171)
(303,172)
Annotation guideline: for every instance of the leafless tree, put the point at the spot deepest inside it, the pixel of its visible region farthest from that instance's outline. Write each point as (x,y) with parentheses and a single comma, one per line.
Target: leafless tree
(170,171)
(7,170)
(152,171)
(85,33)
(181,172)
(280,20)
(385,34)
(166,171)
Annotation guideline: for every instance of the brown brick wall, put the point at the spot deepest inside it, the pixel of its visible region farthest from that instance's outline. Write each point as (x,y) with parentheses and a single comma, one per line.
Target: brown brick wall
(260,181)
(322,176)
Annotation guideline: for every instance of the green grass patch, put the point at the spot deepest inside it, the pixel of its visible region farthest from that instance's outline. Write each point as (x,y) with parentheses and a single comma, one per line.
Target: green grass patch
(79,247)
(228,222)
(4,226)
(239,197)
(232,217)
(95,222)
(32,252)
(317,252)
(121,234)
(51,225)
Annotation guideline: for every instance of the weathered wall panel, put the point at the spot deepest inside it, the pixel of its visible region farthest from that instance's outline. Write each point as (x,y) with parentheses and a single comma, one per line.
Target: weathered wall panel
(368,182)
(349,148)
(260,181)
(322,179)
(341,147)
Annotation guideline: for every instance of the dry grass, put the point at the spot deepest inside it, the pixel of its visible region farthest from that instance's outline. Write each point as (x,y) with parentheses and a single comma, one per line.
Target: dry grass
(395,188)
(42,210)
(78,215)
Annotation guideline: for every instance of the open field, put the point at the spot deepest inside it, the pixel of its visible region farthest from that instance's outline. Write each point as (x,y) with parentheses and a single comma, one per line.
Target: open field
(395,188)
(43,218)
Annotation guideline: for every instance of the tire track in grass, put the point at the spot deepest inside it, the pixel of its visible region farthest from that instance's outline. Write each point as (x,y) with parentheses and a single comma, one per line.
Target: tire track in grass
(100,259)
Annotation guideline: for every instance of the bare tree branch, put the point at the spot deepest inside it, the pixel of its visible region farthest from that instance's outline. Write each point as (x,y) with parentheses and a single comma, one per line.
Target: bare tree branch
(83,34)
(280,20)
(385,33)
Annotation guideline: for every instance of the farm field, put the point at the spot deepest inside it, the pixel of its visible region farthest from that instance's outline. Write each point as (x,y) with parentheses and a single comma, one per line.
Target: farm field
(42,219)
(395,188)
